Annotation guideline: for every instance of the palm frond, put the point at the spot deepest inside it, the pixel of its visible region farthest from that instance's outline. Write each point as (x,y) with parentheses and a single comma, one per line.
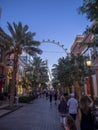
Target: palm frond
(15,26)
(10,28)
(25,28)
(33,50)
(34,43)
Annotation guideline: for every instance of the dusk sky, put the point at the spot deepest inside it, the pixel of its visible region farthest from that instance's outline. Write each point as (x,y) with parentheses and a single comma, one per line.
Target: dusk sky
(56,20)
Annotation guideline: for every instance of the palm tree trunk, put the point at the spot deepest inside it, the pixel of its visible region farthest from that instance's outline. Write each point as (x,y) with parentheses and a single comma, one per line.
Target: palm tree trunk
(13,81)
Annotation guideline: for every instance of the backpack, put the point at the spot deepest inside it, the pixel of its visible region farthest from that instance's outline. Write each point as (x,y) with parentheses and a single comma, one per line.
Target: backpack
(62,107)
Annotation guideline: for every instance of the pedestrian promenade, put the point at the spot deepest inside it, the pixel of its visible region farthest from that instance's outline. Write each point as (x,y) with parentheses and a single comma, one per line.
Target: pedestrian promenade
(39,115)
(2,105)
(5,103)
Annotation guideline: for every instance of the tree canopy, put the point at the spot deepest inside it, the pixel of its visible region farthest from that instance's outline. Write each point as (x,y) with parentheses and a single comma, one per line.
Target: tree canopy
(90,9)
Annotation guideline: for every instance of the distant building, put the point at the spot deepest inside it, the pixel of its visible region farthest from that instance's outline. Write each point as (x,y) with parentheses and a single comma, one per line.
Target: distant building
(22,65)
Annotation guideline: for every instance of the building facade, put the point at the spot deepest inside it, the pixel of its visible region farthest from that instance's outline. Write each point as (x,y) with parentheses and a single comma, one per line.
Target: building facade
(4,40)
(79,47)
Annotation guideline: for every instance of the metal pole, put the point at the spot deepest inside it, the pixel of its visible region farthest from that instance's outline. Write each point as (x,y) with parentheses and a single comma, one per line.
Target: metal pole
(91,84)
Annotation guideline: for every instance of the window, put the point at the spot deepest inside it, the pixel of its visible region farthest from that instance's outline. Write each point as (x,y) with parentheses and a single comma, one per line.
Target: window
(0,54)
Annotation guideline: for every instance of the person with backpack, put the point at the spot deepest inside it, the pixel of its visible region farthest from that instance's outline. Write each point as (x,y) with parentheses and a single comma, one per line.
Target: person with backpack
(62,108)
(85,121)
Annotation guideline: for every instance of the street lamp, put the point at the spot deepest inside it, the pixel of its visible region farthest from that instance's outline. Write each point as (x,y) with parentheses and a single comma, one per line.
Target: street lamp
(89,64)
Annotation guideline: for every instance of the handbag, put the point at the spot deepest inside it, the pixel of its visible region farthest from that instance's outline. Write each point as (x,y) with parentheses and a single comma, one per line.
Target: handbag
(95,123)
(95,120)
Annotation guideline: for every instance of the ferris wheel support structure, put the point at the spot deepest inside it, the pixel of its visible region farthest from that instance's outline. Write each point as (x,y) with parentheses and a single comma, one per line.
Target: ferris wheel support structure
(60,45)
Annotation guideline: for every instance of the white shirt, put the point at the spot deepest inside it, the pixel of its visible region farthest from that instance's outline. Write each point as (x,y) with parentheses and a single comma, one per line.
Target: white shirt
(73,105)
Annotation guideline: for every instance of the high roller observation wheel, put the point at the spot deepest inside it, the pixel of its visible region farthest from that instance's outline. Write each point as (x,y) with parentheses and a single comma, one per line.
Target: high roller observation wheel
(56,43)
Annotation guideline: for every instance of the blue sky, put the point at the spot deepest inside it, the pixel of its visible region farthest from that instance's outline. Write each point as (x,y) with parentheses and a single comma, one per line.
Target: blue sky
(51,19)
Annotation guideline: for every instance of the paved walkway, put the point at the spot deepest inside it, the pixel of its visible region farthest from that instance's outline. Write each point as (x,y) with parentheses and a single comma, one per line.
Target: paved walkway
(36,116)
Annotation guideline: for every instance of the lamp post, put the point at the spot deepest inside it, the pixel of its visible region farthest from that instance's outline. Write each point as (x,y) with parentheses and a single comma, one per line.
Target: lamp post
(89,64)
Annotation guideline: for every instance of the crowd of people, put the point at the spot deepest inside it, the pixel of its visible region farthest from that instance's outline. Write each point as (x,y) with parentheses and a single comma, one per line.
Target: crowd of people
(74,114)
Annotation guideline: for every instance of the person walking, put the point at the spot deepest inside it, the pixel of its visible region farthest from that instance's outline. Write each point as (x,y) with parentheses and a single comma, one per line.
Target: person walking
(47,94)
(62,108)
(85,121)
(55,97)
(50,97)
(72,104)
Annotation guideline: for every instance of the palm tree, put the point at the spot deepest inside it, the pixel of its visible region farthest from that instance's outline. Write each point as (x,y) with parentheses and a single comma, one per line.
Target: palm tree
(68,72)
(37,73)
(90,8)
(21,39)
(40,71)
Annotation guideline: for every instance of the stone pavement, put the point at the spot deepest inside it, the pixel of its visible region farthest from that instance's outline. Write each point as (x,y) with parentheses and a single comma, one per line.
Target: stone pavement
(38,115)
(5,103)
(3,111)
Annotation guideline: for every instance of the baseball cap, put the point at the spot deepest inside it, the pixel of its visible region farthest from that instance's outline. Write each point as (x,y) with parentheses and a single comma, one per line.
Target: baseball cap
(72,94)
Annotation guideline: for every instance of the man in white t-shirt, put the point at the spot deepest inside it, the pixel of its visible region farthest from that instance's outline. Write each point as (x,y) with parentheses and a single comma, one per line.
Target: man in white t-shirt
(72,104)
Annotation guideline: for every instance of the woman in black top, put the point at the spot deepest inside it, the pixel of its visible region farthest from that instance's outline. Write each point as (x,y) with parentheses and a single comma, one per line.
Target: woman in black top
(85,121)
